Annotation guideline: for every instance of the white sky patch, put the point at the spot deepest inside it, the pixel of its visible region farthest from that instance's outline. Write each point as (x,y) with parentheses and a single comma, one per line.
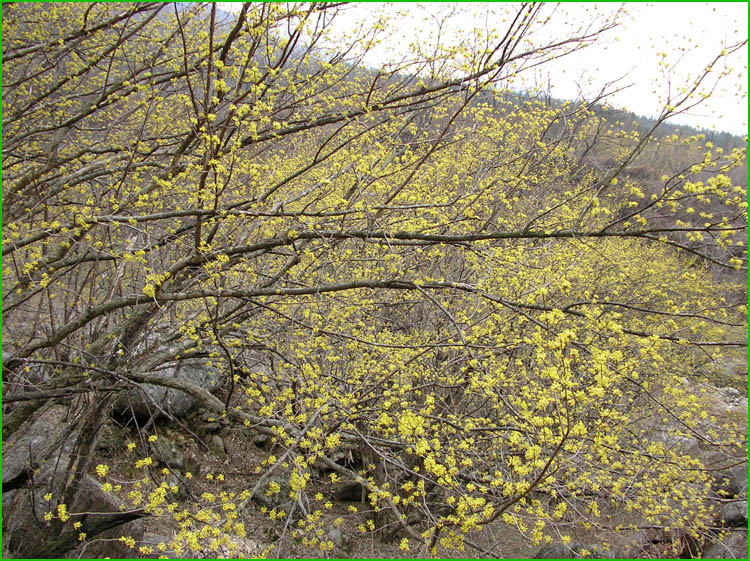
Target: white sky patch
(685,37)
(691,35)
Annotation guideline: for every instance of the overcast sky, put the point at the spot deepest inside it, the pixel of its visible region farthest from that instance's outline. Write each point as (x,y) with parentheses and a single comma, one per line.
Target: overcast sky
(702,29)
(686,36)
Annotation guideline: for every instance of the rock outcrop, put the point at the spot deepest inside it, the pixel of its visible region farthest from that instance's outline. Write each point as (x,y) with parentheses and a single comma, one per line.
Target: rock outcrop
(35,468)
(149,400)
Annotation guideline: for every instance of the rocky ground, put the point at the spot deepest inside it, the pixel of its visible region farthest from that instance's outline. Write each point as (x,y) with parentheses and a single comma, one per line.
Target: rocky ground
(210,450)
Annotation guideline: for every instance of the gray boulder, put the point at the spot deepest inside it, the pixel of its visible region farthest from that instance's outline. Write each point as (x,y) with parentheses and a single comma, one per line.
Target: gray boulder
(260,439)
(217,446)
(106,508)
(275,500)
(341,541)
(732,482)
(152,541)
(731,398)
(281,501)
(250,435)
(167,452)
(45,450)
(150,400)
(732,546)
(27,534)
(734,514)
(45,441)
